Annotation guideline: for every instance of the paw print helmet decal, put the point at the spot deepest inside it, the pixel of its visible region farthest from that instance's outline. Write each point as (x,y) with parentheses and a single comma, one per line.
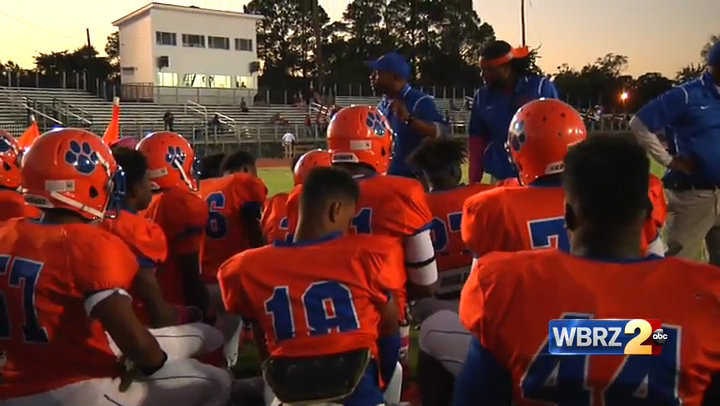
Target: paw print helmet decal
(171,160)
(72,169)
(360,134)
(539,136)
(9,161)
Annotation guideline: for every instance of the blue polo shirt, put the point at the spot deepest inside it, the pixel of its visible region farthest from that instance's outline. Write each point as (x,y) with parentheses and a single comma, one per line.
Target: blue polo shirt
(422,107)
(692,111)
(492,111)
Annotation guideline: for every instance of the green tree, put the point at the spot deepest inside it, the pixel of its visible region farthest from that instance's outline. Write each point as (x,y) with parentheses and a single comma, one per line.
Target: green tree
(84,59)
(706,48)
(112,49)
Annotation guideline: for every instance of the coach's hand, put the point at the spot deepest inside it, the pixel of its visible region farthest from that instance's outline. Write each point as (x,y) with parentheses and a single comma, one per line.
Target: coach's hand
(684,164)
(400,110)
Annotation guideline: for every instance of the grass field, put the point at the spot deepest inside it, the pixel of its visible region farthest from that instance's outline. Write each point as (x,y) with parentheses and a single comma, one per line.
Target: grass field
(279,179)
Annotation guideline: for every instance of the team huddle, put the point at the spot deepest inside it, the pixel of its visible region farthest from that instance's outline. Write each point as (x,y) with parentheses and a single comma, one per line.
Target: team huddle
(126,280)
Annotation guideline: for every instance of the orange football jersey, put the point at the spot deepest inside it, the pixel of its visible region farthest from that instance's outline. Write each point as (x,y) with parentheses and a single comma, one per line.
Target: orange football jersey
(182,215)
(274,218)
(495,305)
(388,205)
(12,204)
(47,339)
(515,218)
(446,208)
(659,212)
(144,237)
(225,235)
(315,297)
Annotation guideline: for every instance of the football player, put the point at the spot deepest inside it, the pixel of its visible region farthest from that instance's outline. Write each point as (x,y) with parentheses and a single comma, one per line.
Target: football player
(530,216)
(12,203)
(275,220)
(181,214)
(606,274)
(360,141)
(234,204)
(147,241)
(440,161)
(63,284)
(321,302)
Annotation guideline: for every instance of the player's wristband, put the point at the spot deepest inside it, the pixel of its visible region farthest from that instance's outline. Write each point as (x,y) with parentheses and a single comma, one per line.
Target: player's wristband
(148,371)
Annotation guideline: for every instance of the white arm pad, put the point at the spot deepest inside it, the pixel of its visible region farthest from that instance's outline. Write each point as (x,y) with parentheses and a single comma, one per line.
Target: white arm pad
(98,297)
(420,259)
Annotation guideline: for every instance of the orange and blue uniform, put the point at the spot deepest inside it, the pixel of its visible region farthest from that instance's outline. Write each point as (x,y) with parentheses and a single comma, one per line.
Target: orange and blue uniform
(532,217)
(515,218)
(274,218)
(12,204)
(47,338)
(388,205)
(510,350)
(182,216)
(144,237)
(453,259)
(316,298)
(228,198)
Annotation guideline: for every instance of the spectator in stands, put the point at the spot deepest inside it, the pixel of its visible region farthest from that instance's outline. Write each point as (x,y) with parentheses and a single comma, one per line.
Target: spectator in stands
(168,119)
(215,124)
(411,113)
(308,125)
(288,141)
(243,106)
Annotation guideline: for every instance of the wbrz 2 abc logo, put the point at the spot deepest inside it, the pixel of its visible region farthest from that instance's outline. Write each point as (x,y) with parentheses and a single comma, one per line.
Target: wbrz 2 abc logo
(606,336)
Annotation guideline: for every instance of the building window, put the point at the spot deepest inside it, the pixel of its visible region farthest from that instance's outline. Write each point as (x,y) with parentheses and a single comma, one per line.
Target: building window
(167,79)
(243,44)
(165,38)
(194,80)
(224,81)
(193,41)
(244,82)
(219,42)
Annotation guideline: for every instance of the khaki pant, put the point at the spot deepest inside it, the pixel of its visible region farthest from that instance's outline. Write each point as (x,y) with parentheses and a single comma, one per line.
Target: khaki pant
(693,216)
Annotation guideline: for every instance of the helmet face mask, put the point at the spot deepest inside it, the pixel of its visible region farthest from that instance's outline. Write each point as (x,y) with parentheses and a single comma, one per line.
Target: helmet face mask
(539,136)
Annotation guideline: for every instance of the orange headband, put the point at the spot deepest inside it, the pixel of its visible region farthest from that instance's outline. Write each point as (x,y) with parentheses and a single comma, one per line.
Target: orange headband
(521,52)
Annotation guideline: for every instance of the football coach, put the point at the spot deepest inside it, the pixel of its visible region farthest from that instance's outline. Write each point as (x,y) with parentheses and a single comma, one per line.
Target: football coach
(692,111)
(412,114)
(509,84)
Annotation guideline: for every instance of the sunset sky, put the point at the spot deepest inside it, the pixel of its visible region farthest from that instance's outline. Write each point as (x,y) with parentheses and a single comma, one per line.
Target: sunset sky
(656,35)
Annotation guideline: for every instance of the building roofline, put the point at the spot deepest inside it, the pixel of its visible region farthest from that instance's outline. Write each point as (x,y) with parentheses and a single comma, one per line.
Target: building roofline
(164,6)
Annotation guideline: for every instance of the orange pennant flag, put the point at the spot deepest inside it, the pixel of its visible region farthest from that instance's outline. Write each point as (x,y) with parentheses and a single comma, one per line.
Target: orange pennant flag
(30,135)
(112,133)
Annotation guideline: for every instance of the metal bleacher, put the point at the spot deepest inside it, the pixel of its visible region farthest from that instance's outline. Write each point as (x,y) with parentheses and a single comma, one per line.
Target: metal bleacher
(261,127)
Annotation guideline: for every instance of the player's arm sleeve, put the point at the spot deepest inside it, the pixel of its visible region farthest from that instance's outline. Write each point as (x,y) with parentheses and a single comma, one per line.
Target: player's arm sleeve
(482,380)
(231,289)
(657,115)
(426,110)
(419,252)
(106,274)
(481,228)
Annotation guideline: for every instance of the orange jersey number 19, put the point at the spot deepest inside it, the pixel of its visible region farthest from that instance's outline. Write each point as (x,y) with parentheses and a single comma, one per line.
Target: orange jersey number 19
(328,307)
(22,275)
